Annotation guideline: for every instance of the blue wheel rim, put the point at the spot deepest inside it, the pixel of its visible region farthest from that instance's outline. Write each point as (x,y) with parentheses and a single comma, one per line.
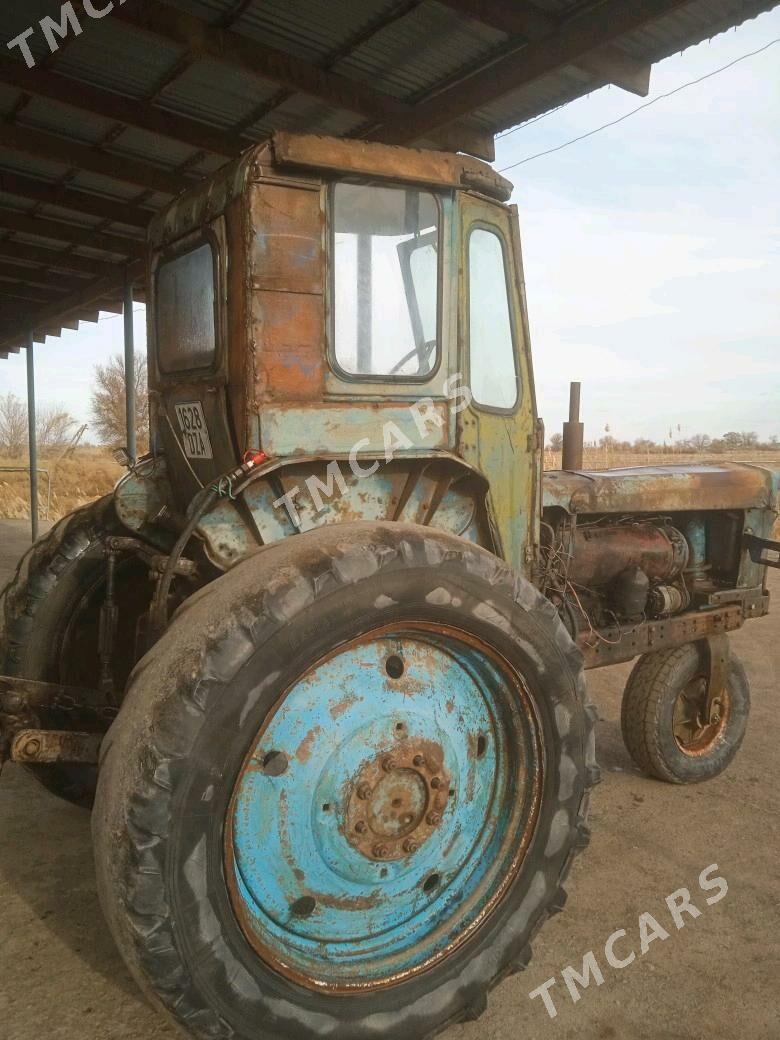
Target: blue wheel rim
(384,809)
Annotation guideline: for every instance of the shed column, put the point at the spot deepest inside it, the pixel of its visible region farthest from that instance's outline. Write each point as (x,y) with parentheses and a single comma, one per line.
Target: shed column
(129,369)
(32,442)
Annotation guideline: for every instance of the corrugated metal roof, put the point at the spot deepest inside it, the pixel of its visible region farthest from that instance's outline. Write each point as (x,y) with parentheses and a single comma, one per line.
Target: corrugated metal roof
(113,55)
(156,106)
(404,60)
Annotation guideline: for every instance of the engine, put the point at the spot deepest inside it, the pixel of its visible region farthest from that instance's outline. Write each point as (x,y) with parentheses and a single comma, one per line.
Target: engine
(611,571)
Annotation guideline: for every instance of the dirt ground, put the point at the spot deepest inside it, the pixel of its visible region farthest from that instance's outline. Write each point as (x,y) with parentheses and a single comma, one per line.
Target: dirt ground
(717,978)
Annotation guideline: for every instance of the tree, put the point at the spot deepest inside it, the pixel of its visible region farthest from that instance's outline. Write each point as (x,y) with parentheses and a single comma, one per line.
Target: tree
(108,402)
(13,426)
(644,444)
(556,442)
(700,442)
(53,424)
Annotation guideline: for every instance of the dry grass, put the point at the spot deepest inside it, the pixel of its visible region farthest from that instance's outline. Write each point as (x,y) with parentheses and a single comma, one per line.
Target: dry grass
(86,475)
(603,458)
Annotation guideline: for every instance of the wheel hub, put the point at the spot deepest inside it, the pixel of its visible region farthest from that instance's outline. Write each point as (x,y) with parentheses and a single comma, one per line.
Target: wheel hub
(398,800)
(695,733)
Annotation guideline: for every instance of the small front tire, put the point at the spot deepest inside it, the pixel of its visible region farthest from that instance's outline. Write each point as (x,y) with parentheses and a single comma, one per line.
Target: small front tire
(663,716)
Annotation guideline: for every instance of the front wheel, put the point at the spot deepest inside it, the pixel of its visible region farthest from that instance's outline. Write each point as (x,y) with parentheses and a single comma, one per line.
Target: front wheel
(344,789)
(664,718)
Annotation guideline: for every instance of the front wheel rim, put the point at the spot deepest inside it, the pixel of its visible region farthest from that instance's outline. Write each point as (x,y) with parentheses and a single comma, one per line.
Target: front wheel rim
(384,809)
(694,734)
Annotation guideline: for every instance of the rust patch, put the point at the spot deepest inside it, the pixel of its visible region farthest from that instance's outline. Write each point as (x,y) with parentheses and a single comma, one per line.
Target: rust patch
(287,331)
(303,751)
(345,902)
(343,705)
(624,644)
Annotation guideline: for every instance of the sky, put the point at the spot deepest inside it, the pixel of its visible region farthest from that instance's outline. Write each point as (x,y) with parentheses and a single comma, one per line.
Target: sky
(651,254)
(652,249)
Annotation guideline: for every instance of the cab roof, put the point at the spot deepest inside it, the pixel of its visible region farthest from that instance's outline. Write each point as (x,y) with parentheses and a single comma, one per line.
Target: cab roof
(314,156)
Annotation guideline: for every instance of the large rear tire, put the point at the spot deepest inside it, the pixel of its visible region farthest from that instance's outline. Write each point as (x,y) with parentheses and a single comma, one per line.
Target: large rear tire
(345,789)
(50,611)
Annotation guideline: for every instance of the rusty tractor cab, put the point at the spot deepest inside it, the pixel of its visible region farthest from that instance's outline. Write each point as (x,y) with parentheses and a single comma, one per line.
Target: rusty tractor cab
(337,620)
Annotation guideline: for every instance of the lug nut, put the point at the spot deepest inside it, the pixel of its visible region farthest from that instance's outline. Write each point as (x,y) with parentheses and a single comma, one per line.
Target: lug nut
(360,827)
(436,783)
(388,764)
(380,851)
(418,761)
(433,818)
(31,747)
(364,790)
(410,845)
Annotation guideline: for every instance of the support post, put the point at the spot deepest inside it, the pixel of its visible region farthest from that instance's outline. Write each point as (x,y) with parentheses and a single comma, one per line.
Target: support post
(129,370)
(32,441)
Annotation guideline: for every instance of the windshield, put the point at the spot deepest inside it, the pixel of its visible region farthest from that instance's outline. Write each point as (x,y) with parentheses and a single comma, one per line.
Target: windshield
(386,281)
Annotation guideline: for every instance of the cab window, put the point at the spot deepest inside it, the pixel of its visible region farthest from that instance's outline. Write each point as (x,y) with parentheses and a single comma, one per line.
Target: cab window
(185,293)
(492,365)
(385,266)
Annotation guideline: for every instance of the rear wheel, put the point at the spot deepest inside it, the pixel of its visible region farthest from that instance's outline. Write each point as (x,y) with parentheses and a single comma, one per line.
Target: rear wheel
(51,611)
(344,789)
(666,726)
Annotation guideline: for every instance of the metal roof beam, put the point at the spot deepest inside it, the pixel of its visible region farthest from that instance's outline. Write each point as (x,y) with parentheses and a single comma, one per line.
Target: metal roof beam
(73,234)
(270,64)
(83,300)
(577,36)
(138,114)
(37,277)
(54,194)
(70,153)
(9,290)
(608,62)
(49,256)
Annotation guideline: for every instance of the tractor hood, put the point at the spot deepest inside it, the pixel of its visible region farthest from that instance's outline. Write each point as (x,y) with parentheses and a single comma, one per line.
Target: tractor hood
(651,489)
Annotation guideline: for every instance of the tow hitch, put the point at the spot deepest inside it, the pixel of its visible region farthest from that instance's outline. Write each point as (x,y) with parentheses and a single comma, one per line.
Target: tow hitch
(29,708)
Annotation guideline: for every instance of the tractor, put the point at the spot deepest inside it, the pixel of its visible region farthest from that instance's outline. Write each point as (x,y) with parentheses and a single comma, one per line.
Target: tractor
(317,663)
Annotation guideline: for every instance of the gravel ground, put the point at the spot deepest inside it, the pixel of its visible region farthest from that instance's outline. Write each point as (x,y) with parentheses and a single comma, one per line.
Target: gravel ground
(716,979)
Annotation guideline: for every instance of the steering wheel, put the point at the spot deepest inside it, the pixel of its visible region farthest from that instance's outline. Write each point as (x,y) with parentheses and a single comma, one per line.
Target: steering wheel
(423,355)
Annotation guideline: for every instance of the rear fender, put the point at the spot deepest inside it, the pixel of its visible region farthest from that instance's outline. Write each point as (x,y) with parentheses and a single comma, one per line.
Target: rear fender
(286,497)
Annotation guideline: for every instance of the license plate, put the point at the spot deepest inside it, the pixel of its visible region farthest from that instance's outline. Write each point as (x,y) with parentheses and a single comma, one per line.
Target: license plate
(195,436)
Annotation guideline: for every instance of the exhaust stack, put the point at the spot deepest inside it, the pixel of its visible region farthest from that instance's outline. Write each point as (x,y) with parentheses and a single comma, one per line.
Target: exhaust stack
(573,432)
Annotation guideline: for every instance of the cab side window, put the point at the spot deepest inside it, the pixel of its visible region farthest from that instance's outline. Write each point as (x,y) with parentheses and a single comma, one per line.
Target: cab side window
(492,363)
(186,310)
